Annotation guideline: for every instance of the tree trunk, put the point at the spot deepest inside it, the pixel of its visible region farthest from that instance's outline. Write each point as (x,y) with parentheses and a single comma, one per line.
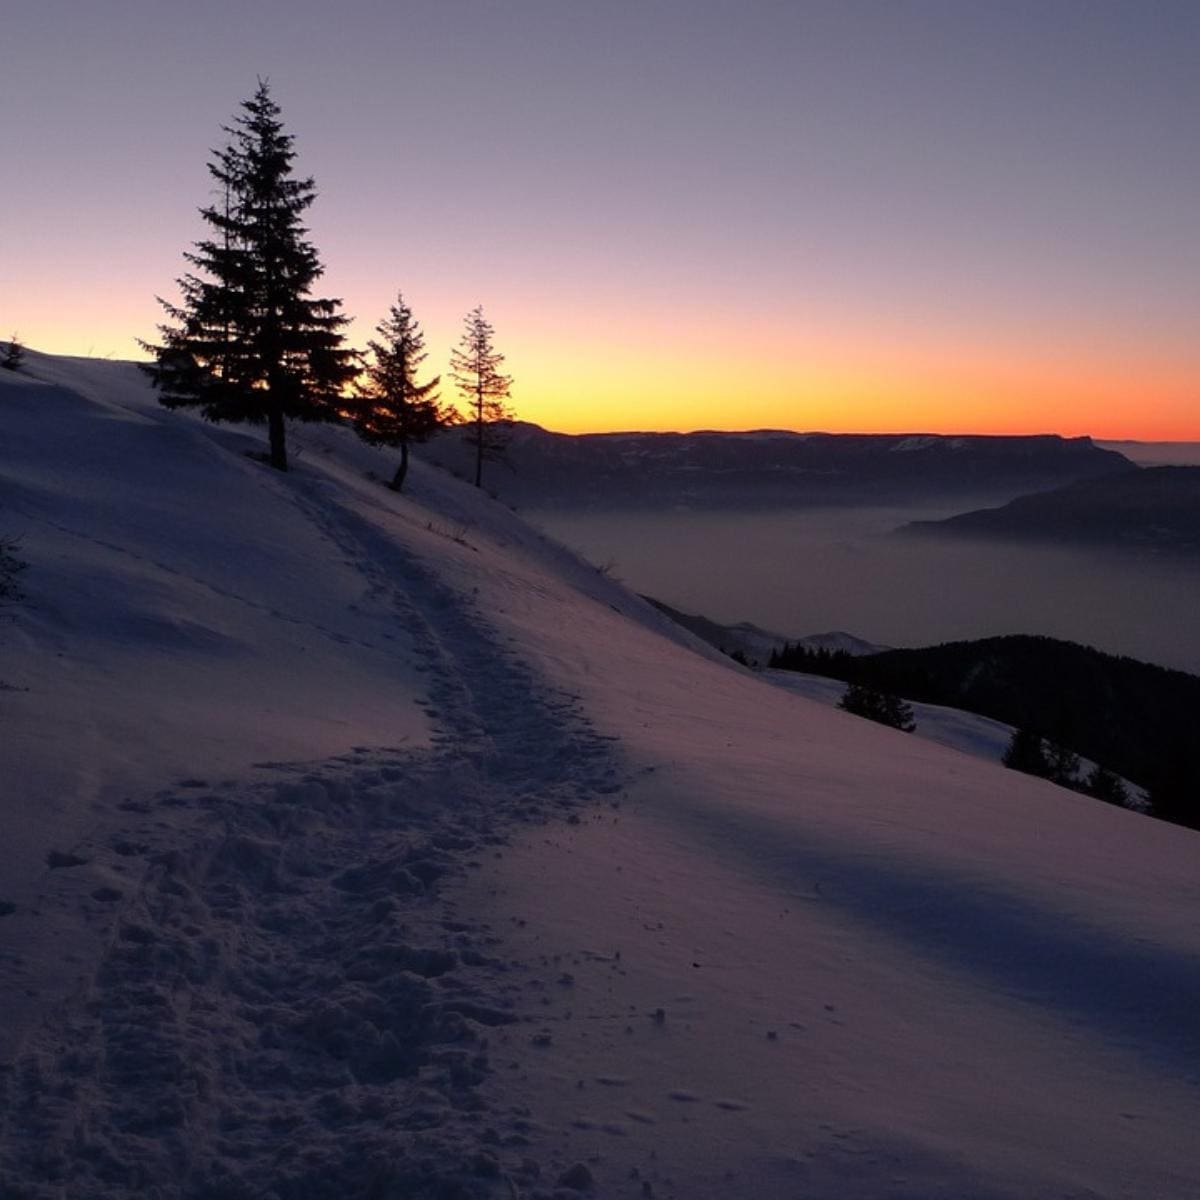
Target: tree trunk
(397,483)
(478,431)
(278,443)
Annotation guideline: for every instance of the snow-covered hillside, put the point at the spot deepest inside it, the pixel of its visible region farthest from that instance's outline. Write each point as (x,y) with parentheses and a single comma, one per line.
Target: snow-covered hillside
(966,732)
(364,845)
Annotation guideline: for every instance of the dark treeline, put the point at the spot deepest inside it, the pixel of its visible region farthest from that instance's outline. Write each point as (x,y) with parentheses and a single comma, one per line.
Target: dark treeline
(1138,720)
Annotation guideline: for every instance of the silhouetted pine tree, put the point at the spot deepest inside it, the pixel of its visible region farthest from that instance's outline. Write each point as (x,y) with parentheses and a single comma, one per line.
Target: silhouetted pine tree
(248,342)
(392,408)
(1175,793)
(864,701)
(1106,786)
(1027,752)
(475,369)
(14,356)
(1062,765)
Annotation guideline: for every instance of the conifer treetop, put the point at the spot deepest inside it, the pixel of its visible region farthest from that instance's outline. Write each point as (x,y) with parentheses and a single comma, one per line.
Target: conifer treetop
(475,368)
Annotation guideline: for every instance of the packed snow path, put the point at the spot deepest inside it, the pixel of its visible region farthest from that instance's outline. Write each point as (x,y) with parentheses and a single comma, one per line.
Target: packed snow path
(284,1008)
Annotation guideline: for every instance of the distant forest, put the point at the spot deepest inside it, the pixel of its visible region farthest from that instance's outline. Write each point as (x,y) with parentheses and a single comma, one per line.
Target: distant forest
(1136,719)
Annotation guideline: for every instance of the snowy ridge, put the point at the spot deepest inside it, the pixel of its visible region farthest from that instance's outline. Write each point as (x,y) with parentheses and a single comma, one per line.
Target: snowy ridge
(373,845)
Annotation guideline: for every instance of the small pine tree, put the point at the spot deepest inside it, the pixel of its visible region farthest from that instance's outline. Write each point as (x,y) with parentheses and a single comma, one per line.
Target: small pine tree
(1174,794)
(1062,764)
(14,356)
(1027,752)
(475,369)
(1106,786)
(392,408)
(248,342)
(869,702)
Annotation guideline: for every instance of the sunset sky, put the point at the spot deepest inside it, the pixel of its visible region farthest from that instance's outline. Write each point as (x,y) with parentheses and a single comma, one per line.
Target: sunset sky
(903,215)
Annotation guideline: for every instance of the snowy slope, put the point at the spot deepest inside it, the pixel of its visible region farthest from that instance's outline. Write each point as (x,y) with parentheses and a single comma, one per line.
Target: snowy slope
(955,728)
(399,847)
(967,732)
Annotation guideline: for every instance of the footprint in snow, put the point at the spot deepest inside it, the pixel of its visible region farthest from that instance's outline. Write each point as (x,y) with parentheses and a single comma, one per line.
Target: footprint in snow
(56,859)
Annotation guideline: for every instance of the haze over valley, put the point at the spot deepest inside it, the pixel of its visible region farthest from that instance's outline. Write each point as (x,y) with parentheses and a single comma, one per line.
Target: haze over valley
(810,570)
(796,533)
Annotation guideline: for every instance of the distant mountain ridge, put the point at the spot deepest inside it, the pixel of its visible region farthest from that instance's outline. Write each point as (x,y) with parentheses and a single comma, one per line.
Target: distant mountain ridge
(1154,510)
(756,644)
(771,468)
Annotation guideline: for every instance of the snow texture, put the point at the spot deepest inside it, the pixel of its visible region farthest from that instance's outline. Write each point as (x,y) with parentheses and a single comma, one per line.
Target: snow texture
(365,845)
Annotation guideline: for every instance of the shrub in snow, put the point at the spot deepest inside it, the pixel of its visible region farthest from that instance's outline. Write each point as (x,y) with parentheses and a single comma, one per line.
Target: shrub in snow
(1027,752)
(1035,755)
(1063,764)
(1175,793)
(1106,786)
(13,356)
(879,706)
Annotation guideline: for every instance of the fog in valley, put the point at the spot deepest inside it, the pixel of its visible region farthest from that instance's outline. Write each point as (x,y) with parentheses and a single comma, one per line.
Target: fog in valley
(1157,454)
(813,570)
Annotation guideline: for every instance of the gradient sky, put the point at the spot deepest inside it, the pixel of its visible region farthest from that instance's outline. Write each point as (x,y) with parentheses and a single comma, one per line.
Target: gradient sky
(945,216)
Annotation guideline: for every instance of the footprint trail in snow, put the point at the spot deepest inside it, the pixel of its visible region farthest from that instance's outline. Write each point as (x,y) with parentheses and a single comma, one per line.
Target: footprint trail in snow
(285,1007)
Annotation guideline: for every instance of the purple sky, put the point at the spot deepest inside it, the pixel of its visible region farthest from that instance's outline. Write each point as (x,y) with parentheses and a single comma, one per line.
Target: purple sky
(854,215)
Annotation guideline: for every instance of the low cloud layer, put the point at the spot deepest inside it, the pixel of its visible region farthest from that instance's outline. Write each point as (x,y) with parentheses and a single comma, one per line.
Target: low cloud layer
(805,571)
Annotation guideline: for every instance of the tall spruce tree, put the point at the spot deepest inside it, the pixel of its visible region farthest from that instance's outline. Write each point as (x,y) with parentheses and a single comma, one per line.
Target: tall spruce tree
(248,342)
(391,407)
(475,369)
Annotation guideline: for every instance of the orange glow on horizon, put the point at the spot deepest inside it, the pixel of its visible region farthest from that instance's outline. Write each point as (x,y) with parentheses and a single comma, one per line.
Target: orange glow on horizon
(659,380)
(862,391)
